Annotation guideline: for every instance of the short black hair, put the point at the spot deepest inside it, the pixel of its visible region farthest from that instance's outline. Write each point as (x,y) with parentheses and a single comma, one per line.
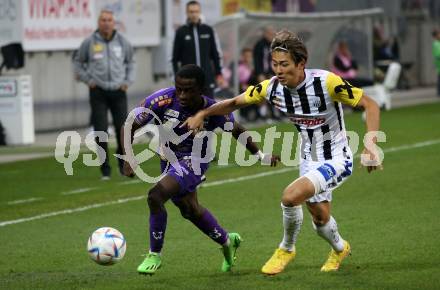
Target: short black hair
(192,3)
(192,71)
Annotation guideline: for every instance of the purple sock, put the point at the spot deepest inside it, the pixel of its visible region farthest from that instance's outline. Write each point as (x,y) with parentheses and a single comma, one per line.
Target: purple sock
(158,225)
(209,225)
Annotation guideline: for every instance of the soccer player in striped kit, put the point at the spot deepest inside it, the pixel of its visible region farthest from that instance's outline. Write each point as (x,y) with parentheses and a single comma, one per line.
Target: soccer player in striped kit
(312,99)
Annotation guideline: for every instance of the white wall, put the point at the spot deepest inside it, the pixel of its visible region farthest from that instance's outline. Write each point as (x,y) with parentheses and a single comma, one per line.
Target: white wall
(416,48)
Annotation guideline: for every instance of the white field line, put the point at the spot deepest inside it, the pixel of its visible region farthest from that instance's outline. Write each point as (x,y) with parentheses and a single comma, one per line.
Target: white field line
(247,177)
(18,201)
(208,184)
(79,190)
(412,146)
(134,181)
(69,211)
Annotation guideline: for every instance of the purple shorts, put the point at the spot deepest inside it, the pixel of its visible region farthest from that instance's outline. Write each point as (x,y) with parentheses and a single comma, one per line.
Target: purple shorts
(188,180)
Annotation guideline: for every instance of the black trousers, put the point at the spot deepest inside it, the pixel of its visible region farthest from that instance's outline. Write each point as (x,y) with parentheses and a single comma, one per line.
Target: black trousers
(101,101)
(438,84)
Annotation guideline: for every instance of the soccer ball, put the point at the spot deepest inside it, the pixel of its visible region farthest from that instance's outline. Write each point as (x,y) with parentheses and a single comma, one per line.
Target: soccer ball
(106,246)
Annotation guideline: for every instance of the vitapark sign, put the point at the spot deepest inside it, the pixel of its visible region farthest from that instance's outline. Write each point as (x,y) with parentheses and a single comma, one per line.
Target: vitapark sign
(63,24)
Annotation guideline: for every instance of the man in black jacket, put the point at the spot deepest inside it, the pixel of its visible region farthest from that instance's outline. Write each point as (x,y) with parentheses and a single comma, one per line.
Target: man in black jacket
(197,43)
(262,55)
(263,67)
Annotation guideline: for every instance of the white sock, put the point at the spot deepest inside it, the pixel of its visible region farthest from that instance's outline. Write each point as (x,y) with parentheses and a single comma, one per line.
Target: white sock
(329,232)
(227,243)
(292,221)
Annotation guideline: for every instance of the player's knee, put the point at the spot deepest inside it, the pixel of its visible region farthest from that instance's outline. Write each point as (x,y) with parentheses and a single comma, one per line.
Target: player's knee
(190,212)
(320,219)
(154,198)
(185,212)
(291,196)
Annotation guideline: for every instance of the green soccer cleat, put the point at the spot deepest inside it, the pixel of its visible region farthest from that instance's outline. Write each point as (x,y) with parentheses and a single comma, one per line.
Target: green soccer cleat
(229,252)
(149,266)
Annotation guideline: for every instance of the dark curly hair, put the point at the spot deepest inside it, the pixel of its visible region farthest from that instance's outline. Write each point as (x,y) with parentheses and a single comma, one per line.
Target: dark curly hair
(192,71)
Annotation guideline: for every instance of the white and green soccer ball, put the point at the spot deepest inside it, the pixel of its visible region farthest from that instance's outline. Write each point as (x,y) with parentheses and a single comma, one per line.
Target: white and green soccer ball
(106,246)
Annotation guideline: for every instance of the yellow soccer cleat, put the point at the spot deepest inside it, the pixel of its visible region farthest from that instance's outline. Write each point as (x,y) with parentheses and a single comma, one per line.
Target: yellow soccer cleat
(334,259)
(278,262)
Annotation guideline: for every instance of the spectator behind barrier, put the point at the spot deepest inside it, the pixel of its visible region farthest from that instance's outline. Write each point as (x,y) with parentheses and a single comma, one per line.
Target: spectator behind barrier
(346,67)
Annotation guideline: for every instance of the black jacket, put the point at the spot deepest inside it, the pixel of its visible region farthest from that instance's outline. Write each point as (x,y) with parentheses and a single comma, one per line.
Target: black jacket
(198,44)
(262,58)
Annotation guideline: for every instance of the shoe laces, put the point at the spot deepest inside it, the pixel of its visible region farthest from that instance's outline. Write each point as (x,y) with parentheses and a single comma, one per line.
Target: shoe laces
(150,256)
(279,258)
(333,257)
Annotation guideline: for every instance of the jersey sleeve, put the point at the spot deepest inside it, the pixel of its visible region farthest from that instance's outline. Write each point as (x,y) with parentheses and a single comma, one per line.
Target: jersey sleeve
(342,91)
(152,105)
(220,122)
(257,94)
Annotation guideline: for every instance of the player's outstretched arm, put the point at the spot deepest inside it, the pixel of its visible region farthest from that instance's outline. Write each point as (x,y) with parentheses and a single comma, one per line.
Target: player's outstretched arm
(238,131)
(221,108)
(372,111)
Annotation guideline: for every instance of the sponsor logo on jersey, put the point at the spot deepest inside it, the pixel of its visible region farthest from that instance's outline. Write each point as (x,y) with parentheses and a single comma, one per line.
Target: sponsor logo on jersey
(171,119)
(328,169)
(308,122)
(172,113)
(164,102)
(276,94)
(316,103)
(140,118)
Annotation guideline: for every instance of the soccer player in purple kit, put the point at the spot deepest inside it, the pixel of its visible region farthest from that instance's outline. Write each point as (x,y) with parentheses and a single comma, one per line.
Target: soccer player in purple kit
(180,182)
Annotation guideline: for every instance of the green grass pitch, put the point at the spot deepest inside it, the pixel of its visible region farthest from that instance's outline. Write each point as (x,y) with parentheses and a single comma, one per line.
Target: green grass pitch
(390,218)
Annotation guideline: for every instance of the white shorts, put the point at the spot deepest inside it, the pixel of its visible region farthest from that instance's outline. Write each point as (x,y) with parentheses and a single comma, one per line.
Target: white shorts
(326,175)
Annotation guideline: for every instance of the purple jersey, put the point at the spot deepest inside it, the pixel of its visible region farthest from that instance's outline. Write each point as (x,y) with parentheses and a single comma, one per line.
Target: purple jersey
(165,104)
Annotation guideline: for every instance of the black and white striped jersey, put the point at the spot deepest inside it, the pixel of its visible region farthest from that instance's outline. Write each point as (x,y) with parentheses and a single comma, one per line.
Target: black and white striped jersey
(315,108)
